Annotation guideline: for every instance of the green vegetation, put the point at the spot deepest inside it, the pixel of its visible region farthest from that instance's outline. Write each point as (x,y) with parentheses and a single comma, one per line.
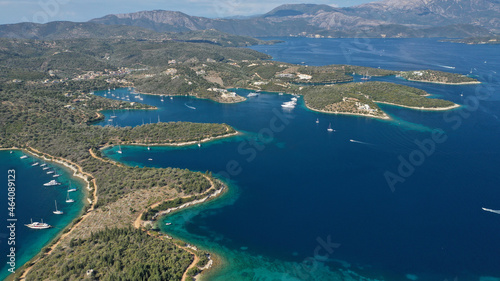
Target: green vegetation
(55,119)
(151,212)
(41,118)
(340,99)
(368,71)
(212,36)
(193,271)
(361,98)
(434,76)
(114,254)
(202,185)
(88,30)
(69,58)
(46,104)
(204,258)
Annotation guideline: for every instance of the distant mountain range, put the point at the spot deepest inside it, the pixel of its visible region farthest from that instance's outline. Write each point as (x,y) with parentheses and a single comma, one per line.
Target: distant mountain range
(388,18)
(62,30)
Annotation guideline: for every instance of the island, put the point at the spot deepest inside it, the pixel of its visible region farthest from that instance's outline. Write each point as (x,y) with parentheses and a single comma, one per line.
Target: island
(48,108)
(438,77)
(482,40)
(362,98)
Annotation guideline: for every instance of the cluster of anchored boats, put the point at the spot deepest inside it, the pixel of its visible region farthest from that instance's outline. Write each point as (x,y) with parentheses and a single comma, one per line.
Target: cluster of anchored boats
(53,182)
(290,104)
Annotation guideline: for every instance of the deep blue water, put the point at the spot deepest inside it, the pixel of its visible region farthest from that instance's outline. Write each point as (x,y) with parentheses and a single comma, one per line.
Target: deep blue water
(34,201)
(296,188)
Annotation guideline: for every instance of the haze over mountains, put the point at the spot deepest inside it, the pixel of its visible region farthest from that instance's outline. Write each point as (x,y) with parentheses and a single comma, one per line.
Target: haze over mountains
(388,18)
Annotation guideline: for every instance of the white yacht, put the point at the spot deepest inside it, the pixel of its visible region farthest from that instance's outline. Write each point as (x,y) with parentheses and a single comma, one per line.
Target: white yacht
(289,104)
(38,225)
(52,183)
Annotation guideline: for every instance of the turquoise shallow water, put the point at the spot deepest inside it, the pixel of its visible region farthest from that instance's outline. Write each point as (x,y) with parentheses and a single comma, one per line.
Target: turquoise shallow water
(34,201)
(306,204)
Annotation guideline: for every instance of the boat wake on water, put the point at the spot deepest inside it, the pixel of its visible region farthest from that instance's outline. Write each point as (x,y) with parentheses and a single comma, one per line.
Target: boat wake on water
(491,211)
(361,142)
(191,107)
(445,66)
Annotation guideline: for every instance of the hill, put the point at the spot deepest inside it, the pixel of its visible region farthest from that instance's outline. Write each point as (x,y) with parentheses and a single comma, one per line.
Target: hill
(62,30)
(389,18)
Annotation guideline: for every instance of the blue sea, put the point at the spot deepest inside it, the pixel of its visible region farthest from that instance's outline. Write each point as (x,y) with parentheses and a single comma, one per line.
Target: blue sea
(33,201)
(374,200)
(397,199)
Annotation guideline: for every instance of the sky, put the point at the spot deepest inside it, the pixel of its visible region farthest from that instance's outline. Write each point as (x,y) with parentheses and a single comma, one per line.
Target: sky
(42,11)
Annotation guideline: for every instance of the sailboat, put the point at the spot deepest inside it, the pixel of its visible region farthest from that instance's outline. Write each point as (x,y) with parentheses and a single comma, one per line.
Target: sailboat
(69,200)
(366,77)
(119,149)
(317,120)
(330,128)
(57,212)
(71,189)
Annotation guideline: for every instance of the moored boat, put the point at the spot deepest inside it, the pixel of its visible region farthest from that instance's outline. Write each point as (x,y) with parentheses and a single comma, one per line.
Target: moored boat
(68,199)
(38,225)
(52,183)
(57,212)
